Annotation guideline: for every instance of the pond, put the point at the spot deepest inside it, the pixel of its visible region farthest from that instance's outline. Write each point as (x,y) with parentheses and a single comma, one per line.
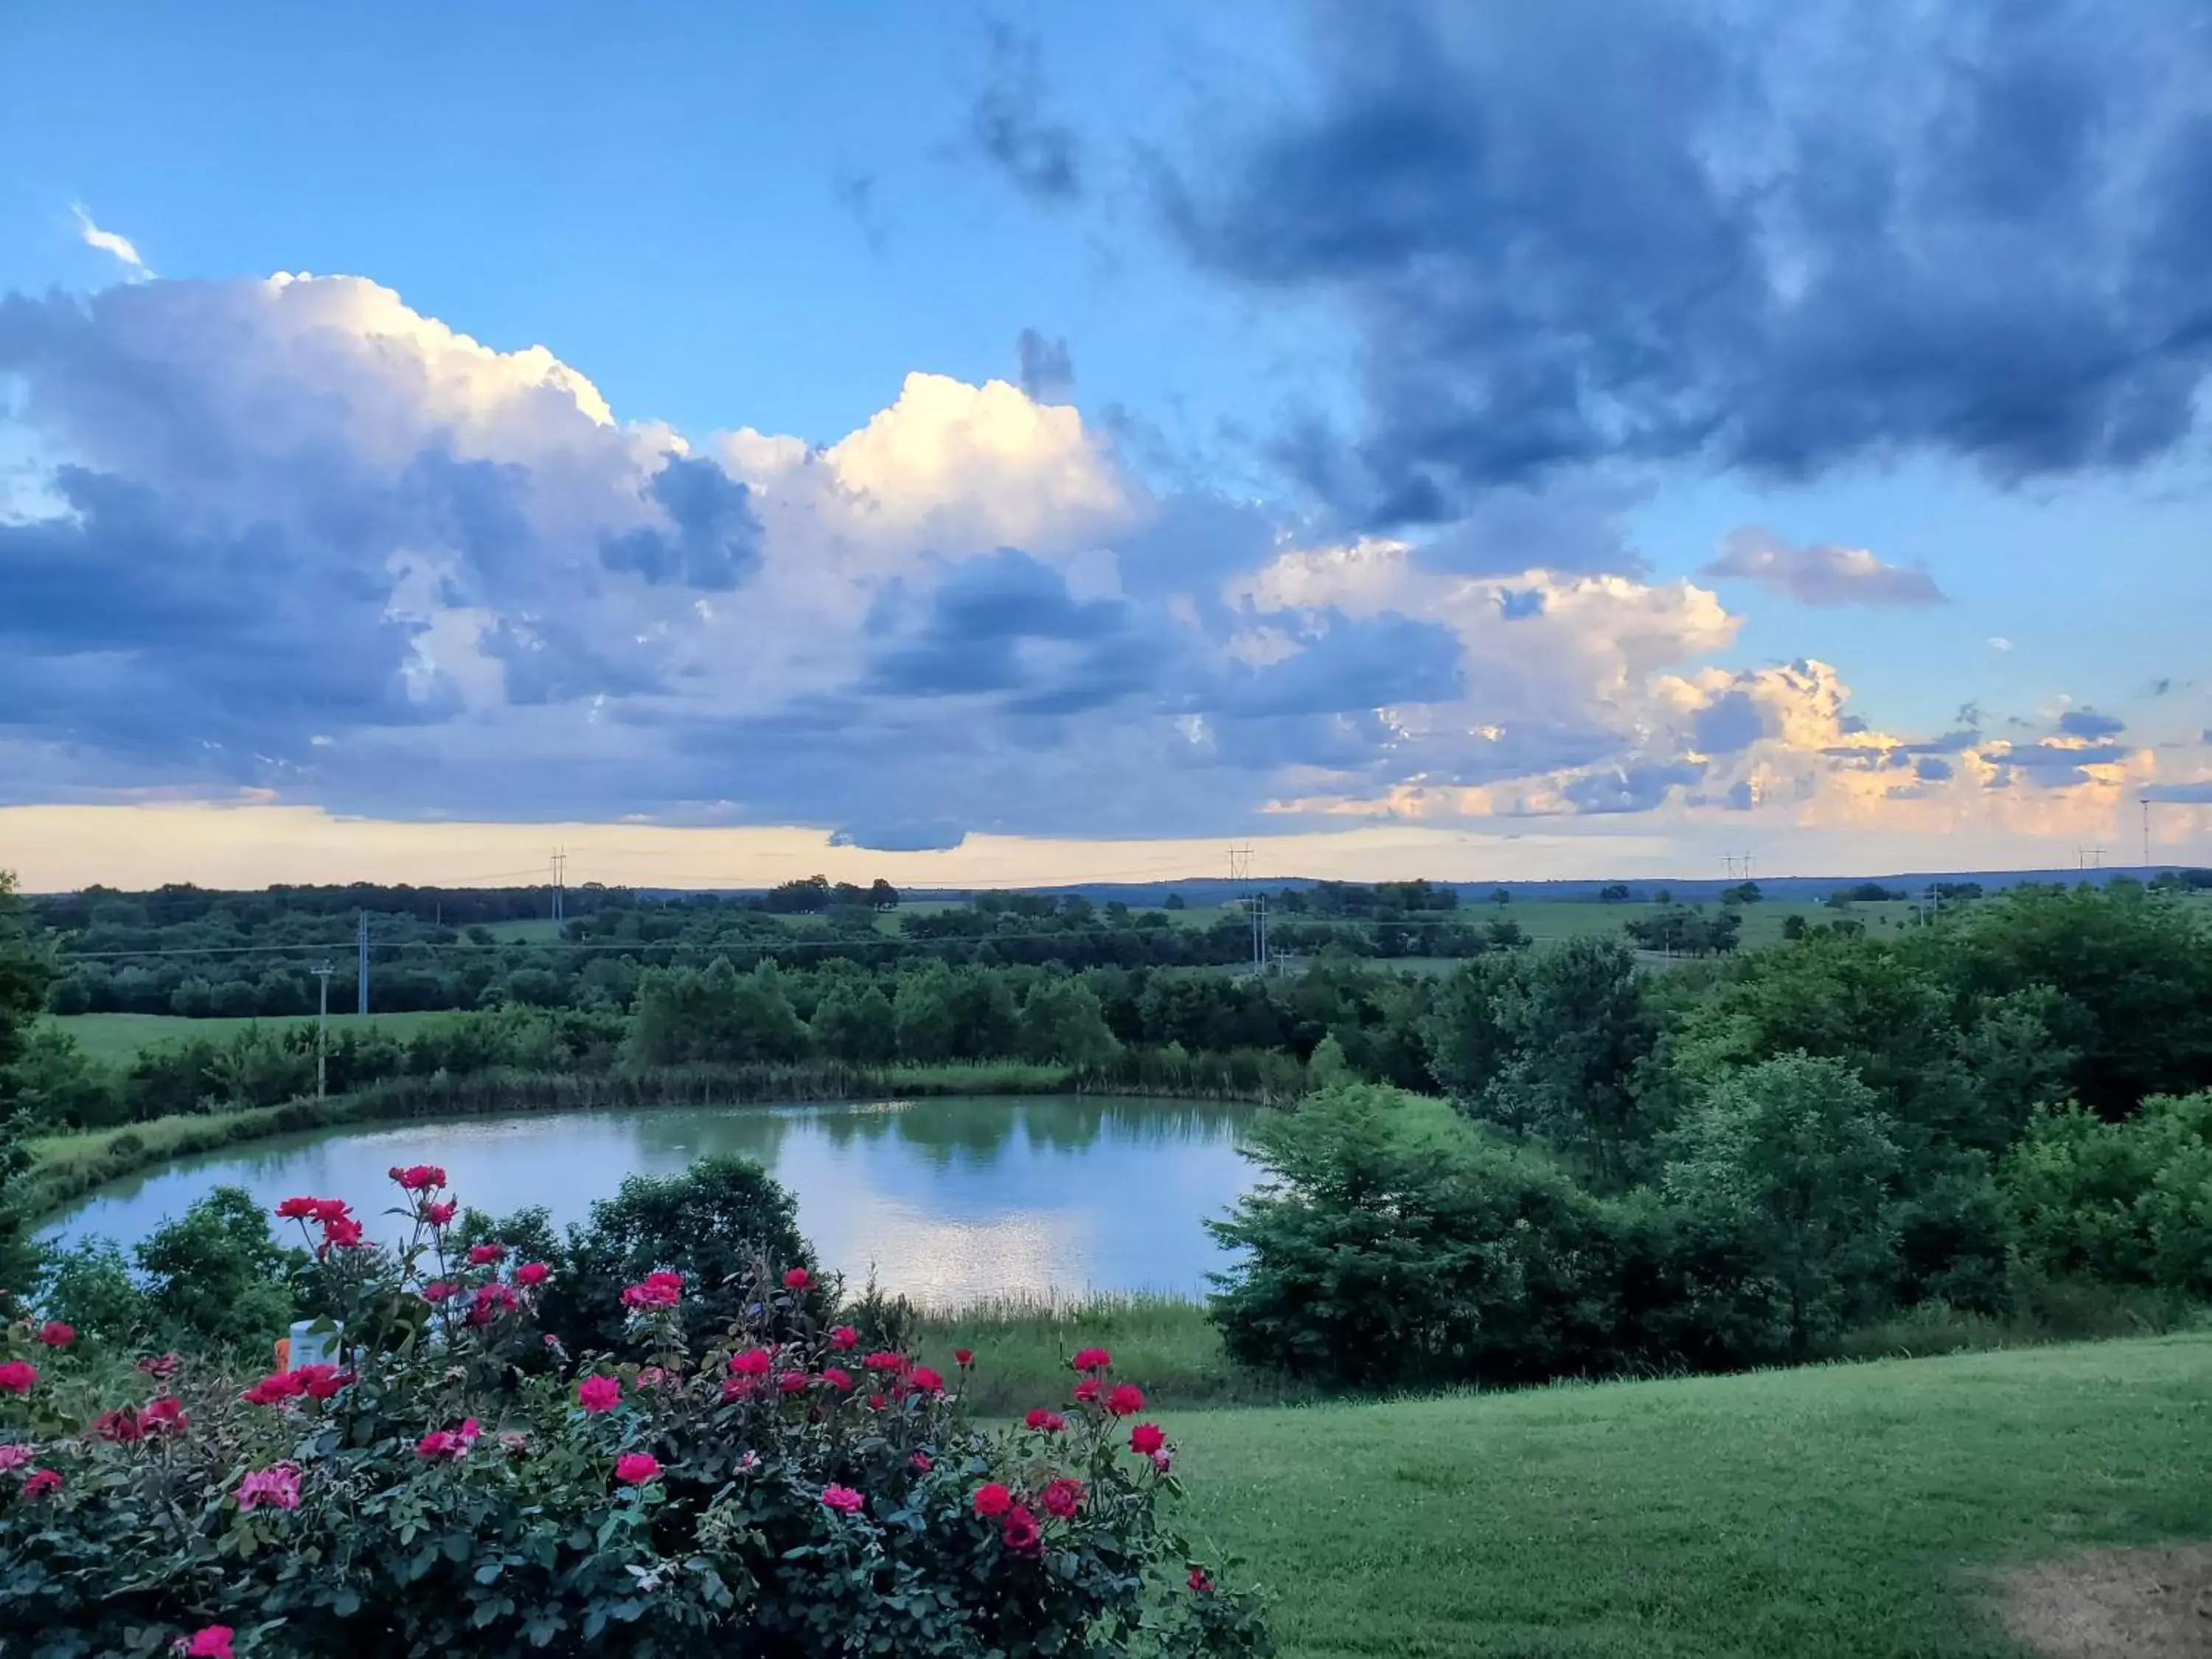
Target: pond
(950,1201)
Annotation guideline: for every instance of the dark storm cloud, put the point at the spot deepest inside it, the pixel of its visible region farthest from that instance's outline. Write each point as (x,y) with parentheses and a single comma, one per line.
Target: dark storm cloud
(1728,724)
(717,540)
(1357,664)
(2088,723)
(1047,368)
(1006,627)
(1768,238)
(2057,766)
(900,836)
(127,630)
(1631,788)
(1011,126)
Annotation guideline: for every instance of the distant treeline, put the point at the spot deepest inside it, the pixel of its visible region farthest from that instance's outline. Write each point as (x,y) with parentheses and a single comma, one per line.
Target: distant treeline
(196,953)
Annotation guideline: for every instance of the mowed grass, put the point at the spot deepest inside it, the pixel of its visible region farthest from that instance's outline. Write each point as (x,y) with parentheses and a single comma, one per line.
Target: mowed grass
(119,1039)
(1859,1511)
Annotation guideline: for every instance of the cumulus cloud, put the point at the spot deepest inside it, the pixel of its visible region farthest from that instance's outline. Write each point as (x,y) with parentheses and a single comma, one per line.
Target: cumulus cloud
(1776,239)
(1820,573)
(300,540)
(109,242)
(1011,126)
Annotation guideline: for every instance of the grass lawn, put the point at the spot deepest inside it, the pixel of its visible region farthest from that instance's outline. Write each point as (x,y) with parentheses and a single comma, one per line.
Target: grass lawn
(117,1039)
(1847,1510)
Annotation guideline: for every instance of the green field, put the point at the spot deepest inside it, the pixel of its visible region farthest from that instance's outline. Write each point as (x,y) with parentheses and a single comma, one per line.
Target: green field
(1859,1511)
(117,1039)
(537,930)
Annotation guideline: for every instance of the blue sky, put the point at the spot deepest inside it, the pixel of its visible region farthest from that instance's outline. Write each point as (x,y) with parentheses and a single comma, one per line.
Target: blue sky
(1466,439)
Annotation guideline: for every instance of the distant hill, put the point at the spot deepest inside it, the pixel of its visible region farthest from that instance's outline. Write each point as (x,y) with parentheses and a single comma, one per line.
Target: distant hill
(1213,890)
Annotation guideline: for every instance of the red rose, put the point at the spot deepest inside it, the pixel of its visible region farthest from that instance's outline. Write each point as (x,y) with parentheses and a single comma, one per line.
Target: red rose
(165,1414)
(963,1358)
(1093,1359)
(438,1215)
(598,1394)
(1199,1582)
(440,1442)
(884,1360)
(120,1425)
(1019,1531)
(17,1376)
(161,1366)
(482,1255)
(752,1362)
(840,1380)
(843,1499)
(636,1468)
(1088,1390)
(1147,1438)
(491,1301)
(798,1280)
(331,1209)
(55,1335)
(1050,1422)
(1126,1400)
(41,1482)
(1063,1497)
(417,1177)
(208,1641)
(920,1461)
(925,1381)
(662,1290)
(792,1381)
(300,1209)
(531,1272)
(877,1402)
(844,1337)
(319,1382)
(276,1387)
(342,1230)
(437,1290)
(992,1500)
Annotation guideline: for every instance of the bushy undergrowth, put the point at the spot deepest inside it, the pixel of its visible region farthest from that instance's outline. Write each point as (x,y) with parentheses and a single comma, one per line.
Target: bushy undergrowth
(455,1481)
(1398,1242)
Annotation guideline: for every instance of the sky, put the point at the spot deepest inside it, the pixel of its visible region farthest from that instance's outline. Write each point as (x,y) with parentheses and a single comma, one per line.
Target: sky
(1063,443)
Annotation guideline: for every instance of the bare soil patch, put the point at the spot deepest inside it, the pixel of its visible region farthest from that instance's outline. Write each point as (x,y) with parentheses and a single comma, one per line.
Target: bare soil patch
(2143,1604)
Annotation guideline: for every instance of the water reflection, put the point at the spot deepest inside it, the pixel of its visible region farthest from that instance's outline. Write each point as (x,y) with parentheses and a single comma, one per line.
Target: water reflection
(949,1200)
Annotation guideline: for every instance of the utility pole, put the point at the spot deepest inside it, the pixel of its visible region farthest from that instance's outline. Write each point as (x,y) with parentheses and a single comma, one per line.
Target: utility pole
(560,858)
(1240,871)
(322,971)
(360,998)
(2146,816)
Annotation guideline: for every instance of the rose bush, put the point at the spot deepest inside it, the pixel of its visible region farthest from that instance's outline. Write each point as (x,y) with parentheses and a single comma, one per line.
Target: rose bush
(454,1482)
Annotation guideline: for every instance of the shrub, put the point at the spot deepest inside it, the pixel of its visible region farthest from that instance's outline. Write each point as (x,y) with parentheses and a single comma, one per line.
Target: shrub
(766,1489)
(2127,1203)
(1792,1159)
(709,1223)
(1399,1244)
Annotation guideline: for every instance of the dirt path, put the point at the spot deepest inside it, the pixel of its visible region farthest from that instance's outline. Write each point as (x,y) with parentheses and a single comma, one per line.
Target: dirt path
(2142,1604)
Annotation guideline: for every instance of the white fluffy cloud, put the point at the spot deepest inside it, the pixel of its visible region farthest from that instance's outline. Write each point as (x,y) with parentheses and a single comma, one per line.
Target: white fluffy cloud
(299,537)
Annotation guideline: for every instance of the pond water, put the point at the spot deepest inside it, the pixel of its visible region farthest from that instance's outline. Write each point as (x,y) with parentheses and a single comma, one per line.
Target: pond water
(950,1201)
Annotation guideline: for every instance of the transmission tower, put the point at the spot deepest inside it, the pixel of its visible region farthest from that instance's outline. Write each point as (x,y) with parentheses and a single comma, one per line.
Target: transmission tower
(559,859)
(322,970)
(360,984)
(1254,904)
